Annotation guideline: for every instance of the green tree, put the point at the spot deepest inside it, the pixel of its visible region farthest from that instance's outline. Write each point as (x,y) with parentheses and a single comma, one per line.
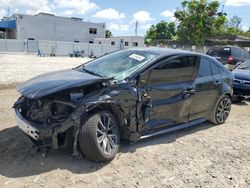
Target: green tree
(198,20)
(160,33)
(246,33)
(233,27)
(108,34)
(234,22)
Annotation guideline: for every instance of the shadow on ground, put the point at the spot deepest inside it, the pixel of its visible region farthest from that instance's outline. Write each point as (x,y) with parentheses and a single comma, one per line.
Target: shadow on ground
(243,103)
(16,160)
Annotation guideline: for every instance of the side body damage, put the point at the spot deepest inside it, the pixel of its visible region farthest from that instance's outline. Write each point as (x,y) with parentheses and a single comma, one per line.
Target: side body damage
(54,120)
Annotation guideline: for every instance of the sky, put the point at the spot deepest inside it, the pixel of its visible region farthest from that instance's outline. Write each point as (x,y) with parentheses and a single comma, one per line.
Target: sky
(119,15)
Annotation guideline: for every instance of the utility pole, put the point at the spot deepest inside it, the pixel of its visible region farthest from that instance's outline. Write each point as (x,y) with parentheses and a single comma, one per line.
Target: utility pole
(8,12)
(136,27)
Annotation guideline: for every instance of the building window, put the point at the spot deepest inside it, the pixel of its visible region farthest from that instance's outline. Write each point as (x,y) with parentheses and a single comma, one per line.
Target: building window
(135,43)
(126,43)
(93,30)
(91,42)
(112,43)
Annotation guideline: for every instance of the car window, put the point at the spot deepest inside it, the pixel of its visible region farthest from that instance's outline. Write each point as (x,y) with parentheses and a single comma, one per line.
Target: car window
(215,69)
(245,65)
(204,68)
(246,54)
(220,52)
(237,53)
(119,64)
(179,69)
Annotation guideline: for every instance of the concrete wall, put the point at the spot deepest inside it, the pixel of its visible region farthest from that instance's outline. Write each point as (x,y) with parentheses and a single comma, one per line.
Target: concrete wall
(121,41)
(65,48)
(55,28)
(60,48)
(8,45)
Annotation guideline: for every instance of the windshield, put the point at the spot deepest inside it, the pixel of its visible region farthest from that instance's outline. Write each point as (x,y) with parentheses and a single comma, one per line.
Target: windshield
(245,65)
(118,65)
(220,52)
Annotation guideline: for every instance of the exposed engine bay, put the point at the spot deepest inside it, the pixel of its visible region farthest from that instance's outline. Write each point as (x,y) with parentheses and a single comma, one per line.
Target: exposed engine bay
(55,116)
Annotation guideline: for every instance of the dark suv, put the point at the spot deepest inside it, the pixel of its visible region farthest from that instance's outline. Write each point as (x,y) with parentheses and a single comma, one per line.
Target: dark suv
(129,94)
(229,56)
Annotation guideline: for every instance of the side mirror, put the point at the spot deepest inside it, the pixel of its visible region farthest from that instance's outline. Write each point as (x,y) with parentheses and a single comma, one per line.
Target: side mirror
(237,65)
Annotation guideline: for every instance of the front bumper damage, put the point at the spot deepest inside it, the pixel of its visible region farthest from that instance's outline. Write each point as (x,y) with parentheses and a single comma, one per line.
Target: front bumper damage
(44,138)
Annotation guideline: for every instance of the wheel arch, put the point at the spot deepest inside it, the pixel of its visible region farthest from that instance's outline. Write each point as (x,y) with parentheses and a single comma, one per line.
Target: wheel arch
(116,111)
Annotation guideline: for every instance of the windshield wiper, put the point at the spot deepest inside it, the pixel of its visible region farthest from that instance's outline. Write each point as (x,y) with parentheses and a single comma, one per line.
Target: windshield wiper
(92,72)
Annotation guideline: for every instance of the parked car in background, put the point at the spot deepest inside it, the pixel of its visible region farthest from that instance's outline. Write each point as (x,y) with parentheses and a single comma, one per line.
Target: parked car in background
(130,94)
(241,84)
(229,56)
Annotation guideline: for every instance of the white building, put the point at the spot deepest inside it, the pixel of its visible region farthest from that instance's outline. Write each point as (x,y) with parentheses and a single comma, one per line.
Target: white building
(122,41)
(50,27)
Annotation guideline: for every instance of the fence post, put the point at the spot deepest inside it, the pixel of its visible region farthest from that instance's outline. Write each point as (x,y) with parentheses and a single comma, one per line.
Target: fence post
(5,44)
(102,51)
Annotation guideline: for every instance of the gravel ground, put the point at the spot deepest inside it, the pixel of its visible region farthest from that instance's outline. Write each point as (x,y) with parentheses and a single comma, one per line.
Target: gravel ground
(200,156)
(17,68)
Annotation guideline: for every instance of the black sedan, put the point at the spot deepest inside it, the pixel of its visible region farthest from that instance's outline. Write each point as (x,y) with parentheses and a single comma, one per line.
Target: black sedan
(130,94)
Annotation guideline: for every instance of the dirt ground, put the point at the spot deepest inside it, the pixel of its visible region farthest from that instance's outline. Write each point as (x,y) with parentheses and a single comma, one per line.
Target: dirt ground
(17,68)
(200,156)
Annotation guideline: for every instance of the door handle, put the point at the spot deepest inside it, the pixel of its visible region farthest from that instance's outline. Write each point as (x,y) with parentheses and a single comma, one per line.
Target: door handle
(217,82)
(189,91)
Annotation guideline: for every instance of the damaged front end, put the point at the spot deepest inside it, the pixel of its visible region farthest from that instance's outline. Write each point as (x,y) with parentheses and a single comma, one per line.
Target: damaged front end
(53,121)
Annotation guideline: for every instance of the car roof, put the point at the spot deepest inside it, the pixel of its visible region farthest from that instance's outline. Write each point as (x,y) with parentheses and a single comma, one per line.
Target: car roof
(165,51)
(226,46)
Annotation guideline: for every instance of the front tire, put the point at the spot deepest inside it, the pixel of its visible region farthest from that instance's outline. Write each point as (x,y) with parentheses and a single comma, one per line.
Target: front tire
(99,137)
(221,110)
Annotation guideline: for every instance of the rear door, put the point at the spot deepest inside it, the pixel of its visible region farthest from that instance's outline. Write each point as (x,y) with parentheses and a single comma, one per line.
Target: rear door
(165,91)
(206,91)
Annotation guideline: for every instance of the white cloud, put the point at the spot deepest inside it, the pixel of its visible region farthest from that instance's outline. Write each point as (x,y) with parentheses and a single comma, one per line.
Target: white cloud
(118,27)
(237,3)
(245,28)
(2,13)
(142,16)
(67,12)
(29,5)
(168,13)
(110,14)
(146,26)
(72,7)
(60,7)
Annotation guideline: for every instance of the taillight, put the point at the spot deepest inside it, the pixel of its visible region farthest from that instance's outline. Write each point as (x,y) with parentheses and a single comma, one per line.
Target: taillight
(230,59)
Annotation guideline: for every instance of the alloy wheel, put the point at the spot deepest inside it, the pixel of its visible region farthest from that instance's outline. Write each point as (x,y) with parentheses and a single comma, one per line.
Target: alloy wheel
(223,110)
(107,132)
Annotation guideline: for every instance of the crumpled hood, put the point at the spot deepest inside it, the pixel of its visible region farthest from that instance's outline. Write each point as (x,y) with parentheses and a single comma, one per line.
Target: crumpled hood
(242,74)
(52,82)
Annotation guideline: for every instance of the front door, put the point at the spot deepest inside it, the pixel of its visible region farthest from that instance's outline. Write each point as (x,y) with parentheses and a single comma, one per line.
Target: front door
(165,91)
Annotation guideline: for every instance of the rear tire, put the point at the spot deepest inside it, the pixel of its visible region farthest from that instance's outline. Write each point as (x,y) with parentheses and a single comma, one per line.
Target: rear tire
(221,110)
(99,137)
